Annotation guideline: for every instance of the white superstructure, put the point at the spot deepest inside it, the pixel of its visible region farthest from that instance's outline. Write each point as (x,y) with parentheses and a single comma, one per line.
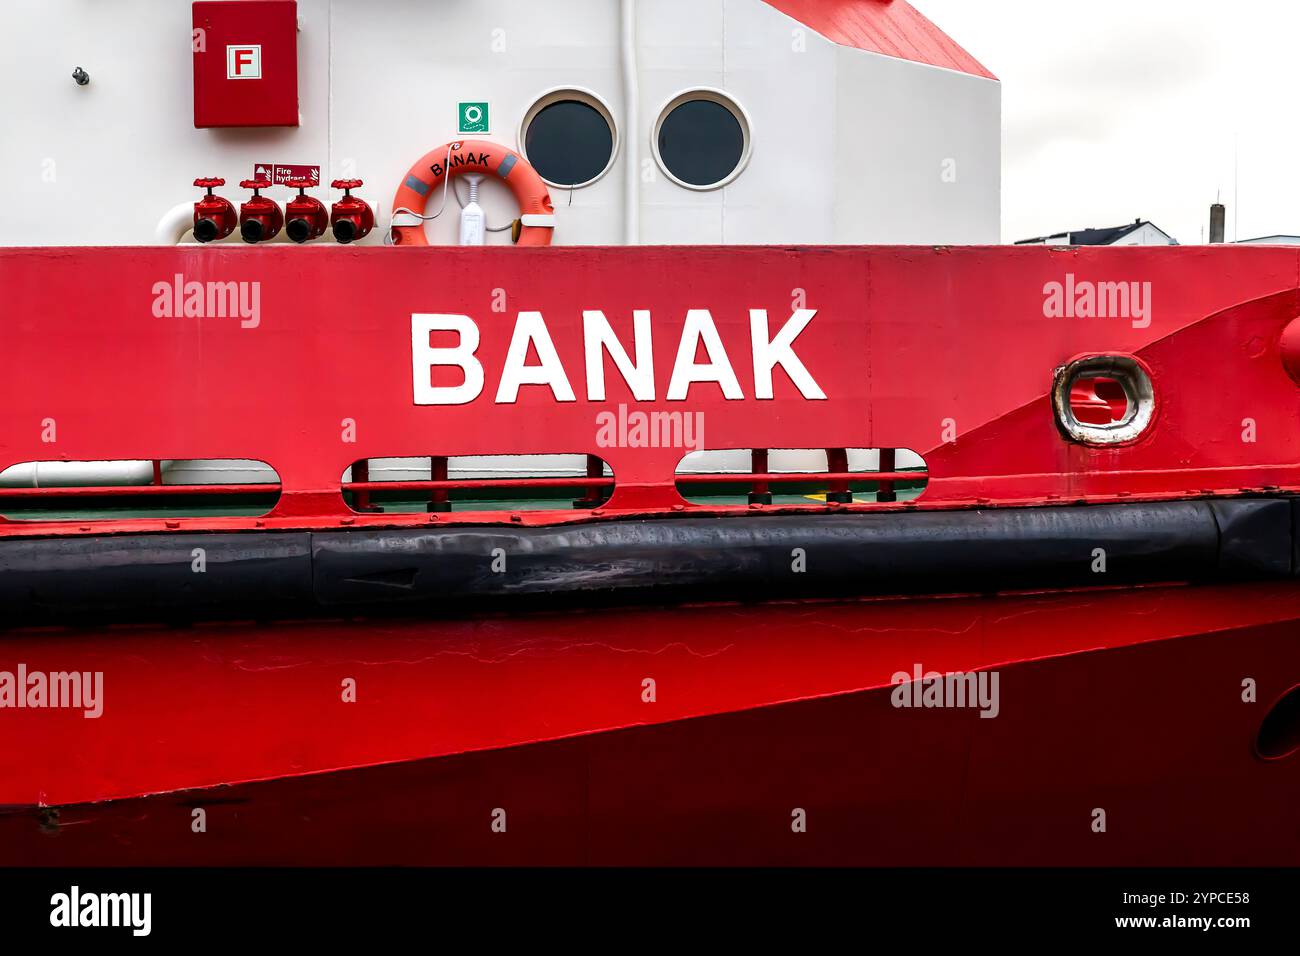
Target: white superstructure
(844,145)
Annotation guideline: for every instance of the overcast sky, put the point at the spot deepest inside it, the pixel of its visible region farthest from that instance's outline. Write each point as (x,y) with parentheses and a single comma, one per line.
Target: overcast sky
(1118,109)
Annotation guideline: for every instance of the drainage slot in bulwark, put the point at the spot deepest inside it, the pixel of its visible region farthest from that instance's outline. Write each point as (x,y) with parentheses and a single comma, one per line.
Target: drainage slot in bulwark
(480,483)
(801,476)
(115,490)
(1279,734)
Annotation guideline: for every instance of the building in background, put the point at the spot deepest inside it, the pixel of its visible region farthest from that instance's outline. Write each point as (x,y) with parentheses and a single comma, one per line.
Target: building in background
(1271,241)
(1137,233)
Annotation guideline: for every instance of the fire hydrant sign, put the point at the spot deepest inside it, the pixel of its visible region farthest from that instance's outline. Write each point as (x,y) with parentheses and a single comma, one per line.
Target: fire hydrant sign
(278,175)
(473,118)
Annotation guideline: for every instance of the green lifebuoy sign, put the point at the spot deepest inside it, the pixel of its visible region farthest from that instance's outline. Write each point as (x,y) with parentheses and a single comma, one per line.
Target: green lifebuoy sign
(473,118)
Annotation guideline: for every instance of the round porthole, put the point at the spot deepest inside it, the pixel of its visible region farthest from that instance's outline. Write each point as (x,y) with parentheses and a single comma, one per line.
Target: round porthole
(569,137)
(702,139)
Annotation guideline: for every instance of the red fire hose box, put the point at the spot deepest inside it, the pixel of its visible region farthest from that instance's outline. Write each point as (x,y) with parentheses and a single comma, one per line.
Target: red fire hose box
(245,63)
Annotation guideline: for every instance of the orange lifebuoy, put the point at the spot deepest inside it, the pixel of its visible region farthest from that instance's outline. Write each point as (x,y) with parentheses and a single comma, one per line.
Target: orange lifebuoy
(536,213)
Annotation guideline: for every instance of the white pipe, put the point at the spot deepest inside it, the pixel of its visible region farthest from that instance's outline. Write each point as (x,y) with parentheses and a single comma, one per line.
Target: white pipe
(631,128)
(102,474)
(174,224)
(78,474)
(179,220)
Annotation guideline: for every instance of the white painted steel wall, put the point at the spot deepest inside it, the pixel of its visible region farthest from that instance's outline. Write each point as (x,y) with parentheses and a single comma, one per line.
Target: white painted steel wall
(848,146)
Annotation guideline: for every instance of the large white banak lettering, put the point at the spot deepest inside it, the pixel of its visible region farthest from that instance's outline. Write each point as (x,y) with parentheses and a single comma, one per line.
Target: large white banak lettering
(767,352)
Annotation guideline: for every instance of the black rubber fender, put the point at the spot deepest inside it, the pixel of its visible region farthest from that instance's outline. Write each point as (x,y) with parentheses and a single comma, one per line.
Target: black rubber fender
(787,555)
(748,557)
(155,575)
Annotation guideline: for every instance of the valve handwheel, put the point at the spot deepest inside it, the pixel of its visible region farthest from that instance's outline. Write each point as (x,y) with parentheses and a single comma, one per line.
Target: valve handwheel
(306,216)
(260,218)
(214,217)
(351,217)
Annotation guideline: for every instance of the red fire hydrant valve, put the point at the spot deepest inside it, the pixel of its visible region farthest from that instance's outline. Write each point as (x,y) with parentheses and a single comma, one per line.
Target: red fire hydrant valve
(351,218)
(305,214)
(214,217)
(260,219)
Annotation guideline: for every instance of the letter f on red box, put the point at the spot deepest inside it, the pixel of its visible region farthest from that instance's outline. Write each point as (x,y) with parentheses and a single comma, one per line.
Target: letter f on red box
(243,62)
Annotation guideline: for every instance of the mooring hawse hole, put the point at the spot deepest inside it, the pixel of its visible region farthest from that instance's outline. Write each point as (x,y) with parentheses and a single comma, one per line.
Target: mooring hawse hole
(1279,734)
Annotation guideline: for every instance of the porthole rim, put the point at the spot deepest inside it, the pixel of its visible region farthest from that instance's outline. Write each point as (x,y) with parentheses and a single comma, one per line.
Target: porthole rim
(557,94)
(722,98)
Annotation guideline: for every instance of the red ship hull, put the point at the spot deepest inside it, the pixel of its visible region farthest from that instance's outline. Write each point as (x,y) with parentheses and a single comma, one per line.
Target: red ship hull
(1125,701)
(1142,720)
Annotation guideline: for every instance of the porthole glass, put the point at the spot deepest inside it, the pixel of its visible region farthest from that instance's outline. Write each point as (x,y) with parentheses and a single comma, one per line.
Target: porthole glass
(702,139)
(569,138)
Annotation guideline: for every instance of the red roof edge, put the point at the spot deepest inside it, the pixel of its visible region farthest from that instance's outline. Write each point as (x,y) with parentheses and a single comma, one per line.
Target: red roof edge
(889,27)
